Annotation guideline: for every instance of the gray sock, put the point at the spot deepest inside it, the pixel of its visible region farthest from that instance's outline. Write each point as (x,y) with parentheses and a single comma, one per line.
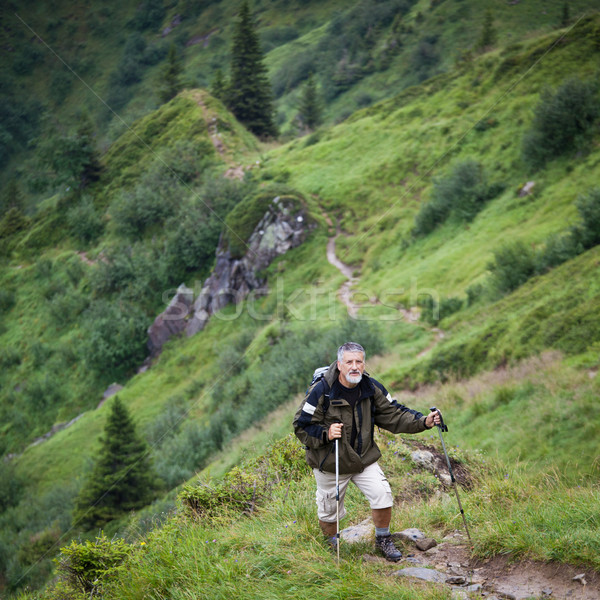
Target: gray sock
(382,531)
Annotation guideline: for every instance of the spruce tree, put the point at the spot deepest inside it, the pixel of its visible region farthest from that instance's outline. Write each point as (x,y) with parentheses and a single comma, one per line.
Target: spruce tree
(250,97)
(566,15)
(488,35)
(171,76)
(220,88)
(310,107)
(122,478)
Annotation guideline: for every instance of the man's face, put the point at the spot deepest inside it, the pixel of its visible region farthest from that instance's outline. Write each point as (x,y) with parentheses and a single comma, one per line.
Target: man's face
(351,367)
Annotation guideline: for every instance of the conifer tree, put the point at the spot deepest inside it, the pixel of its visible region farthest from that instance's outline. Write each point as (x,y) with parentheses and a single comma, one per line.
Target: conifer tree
(488,35)
(171,76)
(566,15)
(310,107)
(12,197)
(250,97)
(219,88)
(122,478)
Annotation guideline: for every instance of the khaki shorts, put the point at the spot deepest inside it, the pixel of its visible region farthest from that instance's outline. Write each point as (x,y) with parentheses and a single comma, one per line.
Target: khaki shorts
(371,482)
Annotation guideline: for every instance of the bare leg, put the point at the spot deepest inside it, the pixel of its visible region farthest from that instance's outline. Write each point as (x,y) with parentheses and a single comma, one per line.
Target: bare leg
(329,529)
(382,516)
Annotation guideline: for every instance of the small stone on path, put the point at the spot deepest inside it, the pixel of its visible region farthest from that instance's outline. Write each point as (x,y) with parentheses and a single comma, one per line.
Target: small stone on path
(425,544)
(421,573)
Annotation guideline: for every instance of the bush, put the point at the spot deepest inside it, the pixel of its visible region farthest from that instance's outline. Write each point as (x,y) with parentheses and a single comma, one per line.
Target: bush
(149,15)
(84,567)
(562,121)
(462,193)
(248,485)
(133,212)
(513,264)
(115,338)
(587,232)
(558,249)
(433,312)
(7,300)
(85,223)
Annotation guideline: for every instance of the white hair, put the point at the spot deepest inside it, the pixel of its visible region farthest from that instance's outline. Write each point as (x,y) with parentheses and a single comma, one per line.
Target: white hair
(350,347)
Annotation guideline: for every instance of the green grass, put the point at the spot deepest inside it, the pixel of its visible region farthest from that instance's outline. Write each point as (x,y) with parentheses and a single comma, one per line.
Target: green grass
(372,173)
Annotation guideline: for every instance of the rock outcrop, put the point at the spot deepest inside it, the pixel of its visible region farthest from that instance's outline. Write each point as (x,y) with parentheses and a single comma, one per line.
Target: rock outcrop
(283,226)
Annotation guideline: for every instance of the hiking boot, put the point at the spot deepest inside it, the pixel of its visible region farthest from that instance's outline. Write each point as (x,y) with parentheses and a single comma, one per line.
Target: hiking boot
(386,546)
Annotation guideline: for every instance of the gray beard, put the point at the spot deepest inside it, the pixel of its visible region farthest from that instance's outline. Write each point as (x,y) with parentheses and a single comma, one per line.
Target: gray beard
(353,379)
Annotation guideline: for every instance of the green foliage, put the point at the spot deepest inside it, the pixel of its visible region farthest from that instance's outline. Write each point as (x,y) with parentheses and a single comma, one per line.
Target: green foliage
(122,479)
(488,35)
(249,485)
(250,97)
(220,87)
(85,222)
(149,15)
(310,111)
(562,122)
(12,223)
(71,159)
(171,82)
(587,232)
(114,341)
(462,193)
(433,311)
(12,197)
(19,120)
(513,265)
(11,487)
(84,567)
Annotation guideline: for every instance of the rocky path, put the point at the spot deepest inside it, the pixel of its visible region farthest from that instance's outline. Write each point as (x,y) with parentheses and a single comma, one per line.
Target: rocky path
(345,291)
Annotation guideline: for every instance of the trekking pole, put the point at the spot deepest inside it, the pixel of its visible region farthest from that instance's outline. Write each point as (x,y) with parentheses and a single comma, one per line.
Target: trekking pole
(337,499)
(442,427)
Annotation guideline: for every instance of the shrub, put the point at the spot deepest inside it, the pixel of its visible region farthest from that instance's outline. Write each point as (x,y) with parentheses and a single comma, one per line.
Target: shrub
(85,222)
(513,264)
(134,211)
(7,300)
(462,193)
(149,15)
(562,121)
(84,567)
(248,485)
(558,249)
(587,232)
(433,312)
(115,337)
(191,243)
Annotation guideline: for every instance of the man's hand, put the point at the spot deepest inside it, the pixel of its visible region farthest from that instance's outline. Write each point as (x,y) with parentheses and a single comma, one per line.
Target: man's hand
(433,418)
(335,431)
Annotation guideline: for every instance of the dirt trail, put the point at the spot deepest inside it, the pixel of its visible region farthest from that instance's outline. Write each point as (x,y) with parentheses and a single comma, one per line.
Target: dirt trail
(499,578)
(345,291)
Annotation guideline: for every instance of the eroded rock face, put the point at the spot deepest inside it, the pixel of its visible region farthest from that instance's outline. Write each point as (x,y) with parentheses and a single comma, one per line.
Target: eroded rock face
(283,227)
(171,321)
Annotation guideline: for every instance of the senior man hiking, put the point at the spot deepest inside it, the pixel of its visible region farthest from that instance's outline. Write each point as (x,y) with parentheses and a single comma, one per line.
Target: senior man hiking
(345,405)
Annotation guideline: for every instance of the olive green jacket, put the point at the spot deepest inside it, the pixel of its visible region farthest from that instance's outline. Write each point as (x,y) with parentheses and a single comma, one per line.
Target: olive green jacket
(323,406)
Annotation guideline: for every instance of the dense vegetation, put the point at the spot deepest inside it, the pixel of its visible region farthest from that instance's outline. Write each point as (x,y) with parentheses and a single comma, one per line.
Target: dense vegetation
(471,198)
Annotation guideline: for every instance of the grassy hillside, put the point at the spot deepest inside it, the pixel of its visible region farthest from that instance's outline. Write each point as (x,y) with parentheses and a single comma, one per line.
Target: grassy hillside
(530,413)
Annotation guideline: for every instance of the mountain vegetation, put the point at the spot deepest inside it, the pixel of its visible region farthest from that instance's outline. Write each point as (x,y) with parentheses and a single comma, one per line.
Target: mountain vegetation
(452,149)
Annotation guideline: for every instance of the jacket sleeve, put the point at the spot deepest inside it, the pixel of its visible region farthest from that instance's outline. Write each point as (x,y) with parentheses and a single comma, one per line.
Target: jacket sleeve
(309,424)
(395,417)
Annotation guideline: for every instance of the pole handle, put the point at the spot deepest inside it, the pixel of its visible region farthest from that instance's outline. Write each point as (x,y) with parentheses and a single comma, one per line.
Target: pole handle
(442,425)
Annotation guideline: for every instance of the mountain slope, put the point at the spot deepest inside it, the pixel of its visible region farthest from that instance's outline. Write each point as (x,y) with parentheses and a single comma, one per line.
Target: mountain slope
(372,173)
